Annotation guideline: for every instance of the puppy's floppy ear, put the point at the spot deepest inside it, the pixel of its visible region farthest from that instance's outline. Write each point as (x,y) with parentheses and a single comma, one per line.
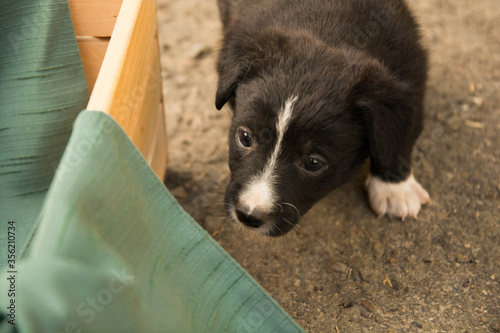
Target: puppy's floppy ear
(245,54)
(392,115)
(241,58)
(233,66)
(231,71)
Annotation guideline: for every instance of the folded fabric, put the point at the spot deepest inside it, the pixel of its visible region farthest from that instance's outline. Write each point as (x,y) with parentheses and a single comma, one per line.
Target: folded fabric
(114,252)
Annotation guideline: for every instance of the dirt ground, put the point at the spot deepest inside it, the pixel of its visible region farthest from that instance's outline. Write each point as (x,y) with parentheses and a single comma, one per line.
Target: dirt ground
(343,270)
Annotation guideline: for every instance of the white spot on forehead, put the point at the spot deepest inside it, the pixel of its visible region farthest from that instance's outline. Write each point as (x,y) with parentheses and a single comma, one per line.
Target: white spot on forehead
(259,192)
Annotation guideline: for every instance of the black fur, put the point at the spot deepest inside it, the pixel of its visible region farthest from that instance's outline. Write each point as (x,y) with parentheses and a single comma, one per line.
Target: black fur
(359,72)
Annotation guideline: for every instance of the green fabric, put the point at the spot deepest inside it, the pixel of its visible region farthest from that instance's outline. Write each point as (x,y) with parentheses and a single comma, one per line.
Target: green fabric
(108,248)
(112,238)
(42,89)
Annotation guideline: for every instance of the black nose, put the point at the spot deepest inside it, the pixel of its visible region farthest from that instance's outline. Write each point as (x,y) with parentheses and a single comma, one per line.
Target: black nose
(253,219)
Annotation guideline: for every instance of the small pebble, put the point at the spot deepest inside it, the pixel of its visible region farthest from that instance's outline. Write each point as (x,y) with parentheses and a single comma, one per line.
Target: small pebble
(369,306)
(417,324)
(340,267)
(478,101)
(474,124)
(472,88)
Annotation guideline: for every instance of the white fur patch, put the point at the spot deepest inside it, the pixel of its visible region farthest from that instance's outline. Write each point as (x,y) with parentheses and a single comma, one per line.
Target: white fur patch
(259,192)
(284,118)
(396,199)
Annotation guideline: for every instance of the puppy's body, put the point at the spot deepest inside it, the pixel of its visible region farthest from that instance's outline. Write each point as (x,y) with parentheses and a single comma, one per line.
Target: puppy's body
(318,86)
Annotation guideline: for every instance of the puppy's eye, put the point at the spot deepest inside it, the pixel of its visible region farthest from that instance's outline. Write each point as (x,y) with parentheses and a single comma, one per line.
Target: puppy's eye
(314,164)
(244,138)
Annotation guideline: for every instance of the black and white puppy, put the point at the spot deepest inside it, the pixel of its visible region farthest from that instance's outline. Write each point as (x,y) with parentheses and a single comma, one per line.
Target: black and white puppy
(317,86)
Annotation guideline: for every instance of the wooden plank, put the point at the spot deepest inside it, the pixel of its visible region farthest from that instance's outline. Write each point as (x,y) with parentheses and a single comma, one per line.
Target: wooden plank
(94,17)
(92,51)
(159,153)
(129,83)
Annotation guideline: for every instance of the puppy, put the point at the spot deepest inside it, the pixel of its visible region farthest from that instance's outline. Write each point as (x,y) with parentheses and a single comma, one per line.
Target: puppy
(317,87)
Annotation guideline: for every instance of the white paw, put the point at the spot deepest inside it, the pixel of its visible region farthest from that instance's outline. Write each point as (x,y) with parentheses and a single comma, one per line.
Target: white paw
(396,199)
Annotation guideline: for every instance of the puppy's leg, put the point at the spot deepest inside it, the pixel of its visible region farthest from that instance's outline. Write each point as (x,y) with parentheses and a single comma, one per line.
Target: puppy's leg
(392,188)
(393,113)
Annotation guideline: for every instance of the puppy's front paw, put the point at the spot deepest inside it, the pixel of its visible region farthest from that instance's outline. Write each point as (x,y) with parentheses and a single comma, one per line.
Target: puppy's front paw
(396,199)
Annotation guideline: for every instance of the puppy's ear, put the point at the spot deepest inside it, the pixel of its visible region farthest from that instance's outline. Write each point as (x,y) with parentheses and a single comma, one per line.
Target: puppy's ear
(230,70)
(233,66)
(245,54)
(240,59)
(392,115)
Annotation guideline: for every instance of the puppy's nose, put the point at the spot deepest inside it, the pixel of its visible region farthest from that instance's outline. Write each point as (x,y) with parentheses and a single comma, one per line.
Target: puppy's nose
(253,218)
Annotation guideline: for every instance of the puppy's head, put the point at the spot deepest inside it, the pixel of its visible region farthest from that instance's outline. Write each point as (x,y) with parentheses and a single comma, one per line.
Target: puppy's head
(297,131)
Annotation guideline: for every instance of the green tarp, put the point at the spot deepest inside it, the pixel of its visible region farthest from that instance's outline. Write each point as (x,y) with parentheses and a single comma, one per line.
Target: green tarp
(100,244)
